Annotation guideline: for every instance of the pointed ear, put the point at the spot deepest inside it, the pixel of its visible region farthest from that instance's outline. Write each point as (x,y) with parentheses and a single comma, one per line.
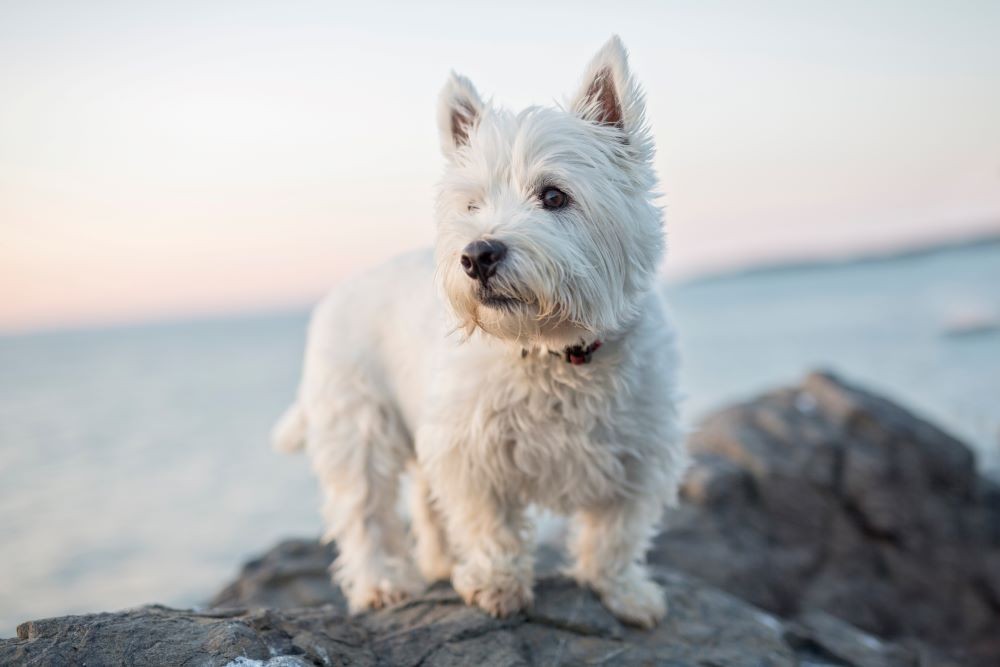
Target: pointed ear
(608,95)
(459,108)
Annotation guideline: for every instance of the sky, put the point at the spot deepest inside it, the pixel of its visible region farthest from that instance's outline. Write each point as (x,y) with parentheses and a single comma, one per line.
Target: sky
(171,160)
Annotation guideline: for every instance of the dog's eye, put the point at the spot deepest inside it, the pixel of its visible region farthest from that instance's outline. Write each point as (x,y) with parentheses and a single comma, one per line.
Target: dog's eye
(553,198)
(473,207)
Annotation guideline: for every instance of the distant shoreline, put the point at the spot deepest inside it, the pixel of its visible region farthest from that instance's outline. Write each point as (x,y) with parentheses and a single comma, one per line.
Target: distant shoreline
(778,266)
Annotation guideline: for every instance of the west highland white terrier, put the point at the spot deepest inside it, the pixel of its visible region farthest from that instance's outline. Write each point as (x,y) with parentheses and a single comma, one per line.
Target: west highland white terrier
(527,360)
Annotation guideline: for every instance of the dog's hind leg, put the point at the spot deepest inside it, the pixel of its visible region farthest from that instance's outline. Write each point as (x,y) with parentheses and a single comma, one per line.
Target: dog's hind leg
(358,447)
(434,558)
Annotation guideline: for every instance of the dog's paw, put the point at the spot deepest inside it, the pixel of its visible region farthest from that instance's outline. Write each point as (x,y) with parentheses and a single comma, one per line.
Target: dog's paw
(501,601)
(377,597)
(382,593)
(635,599)
(499,593)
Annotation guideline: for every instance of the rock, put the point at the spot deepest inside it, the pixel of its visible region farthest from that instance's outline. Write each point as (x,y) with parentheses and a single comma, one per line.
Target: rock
(567,626)
(148,636)
(296,573)
(827,499)
(829,639)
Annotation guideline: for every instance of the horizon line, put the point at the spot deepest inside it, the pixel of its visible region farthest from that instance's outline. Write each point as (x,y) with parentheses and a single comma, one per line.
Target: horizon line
(777,264)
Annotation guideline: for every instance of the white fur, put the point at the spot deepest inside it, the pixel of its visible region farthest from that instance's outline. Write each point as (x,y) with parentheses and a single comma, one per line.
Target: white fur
(470,397)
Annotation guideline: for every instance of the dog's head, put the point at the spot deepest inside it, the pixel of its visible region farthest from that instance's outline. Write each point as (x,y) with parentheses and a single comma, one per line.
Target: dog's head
(547,231)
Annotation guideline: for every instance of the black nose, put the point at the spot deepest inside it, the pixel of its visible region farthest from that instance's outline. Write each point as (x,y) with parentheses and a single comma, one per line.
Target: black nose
(481,258)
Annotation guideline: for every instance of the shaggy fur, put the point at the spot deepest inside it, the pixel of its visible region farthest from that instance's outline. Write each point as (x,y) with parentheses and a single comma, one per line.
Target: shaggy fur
(466,386)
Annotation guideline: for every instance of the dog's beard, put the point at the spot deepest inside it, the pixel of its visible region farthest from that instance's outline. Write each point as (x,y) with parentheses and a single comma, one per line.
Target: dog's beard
(509,309)
(500,311)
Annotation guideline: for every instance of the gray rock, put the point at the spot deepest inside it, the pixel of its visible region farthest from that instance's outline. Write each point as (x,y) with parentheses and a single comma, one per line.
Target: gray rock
(826,498)
(825,638)
(567,626)
(151,635)
(295,573)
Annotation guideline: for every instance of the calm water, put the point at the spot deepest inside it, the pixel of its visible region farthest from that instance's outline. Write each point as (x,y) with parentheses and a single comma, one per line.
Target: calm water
(134,465)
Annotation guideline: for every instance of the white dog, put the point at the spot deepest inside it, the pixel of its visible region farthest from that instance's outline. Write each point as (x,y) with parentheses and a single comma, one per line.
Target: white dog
(541,369)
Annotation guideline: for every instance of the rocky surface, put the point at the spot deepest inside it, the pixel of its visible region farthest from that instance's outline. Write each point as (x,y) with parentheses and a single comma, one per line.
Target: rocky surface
(825,497)
(566,626)
(845,530)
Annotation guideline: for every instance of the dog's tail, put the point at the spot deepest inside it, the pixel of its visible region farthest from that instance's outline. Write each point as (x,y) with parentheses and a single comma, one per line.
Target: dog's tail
(289,434)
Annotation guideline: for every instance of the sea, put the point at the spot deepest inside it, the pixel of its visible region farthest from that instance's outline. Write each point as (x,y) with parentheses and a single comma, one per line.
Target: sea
(135,465)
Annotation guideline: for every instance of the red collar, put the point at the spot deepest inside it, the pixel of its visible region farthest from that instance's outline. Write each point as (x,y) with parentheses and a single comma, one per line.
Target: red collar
(580,354)
(574,354)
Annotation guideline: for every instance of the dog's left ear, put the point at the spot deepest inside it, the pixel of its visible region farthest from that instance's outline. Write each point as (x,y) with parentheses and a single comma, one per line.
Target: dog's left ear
(608,95)
(459,108)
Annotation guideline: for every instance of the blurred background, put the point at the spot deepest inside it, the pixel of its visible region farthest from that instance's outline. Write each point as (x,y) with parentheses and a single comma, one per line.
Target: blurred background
(180,181)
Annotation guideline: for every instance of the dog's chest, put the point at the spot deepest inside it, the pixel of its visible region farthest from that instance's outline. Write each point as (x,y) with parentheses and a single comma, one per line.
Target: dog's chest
(556,434)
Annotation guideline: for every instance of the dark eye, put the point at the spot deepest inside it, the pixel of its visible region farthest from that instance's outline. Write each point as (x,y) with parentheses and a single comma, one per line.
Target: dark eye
(554,198)
(473,207)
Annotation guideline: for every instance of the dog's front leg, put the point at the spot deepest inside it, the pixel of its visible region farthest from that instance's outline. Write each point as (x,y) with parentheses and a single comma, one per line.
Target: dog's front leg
(491,537)
(609,547)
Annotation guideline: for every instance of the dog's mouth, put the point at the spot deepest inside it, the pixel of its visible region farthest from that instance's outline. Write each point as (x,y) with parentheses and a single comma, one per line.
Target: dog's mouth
(492,299)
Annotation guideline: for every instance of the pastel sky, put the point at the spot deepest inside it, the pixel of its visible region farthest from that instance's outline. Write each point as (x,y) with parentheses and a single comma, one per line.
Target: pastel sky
(175,159)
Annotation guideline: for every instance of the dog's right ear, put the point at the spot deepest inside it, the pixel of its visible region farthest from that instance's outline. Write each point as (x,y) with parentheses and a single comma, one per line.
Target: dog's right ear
(459,108)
